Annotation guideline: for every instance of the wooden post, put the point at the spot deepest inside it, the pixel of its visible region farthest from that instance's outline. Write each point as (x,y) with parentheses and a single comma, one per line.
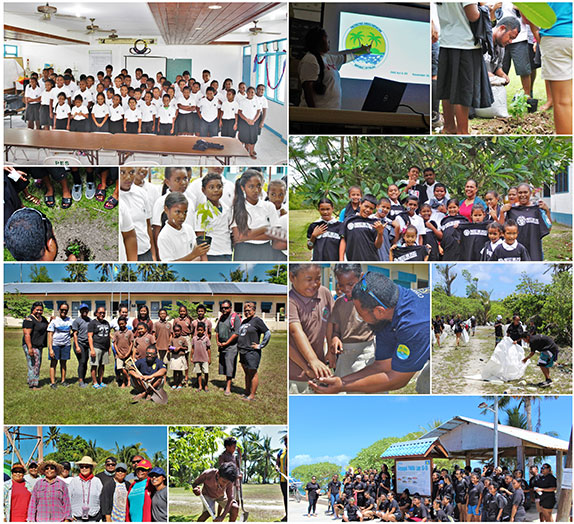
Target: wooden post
(520,456)
(559,470)
(565,496)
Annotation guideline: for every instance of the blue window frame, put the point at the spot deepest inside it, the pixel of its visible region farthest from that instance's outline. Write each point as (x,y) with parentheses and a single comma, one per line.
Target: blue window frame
(271,63)
(10,50)
(562,182)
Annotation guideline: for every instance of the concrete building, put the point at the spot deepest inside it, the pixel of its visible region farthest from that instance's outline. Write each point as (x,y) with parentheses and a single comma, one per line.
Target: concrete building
(558,196)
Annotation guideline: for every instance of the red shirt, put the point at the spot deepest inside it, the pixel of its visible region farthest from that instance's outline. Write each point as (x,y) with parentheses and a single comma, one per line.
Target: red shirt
(19,503)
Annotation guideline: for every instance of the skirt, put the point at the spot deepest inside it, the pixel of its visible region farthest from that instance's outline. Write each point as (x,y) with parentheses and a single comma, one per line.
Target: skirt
(45,119)
(104,129)
(258,123)
(195,123)
(165,129)
(132,128)
(32,113)
(148,127)
(178,363)
(208,129)
(246,251)
(80,126)
(247,133)
(463,78)
(116,126)
(61,123)
(184,124)
(227,128)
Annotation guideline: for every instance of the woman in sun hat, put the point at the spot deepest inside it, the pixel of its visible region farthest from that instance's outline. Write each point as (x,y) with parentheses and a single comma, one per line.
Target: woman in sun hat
(138,508)
(85,492)
(17,493)
(50,500)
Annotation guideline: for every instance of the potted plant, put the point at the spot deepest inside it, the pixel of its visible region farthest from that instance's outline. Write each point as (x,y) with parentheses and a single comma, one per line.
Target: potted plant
(206,212)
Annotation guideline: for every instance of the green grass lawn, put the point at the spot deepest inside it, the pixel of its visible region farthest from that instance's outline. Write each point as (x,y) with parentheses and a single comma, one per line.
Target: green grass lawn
(264,502)
(112,405)
(86,220)
(558,244)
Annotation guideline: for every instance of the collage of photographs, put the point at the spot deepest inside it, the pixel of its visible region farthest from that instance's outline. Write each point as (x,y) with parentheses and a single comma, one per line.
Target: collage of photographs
(286,261)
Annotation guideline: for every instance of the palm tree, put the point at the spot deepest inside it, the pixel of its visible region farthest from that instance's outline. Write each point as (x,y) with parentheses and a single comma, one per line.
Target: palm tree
(156,273)
(53,436)
(356,38)
(267,452)
(92,449)
(124,453)
(106,271)
(146,272)
(76,273)
(374,39)
(126,274)
(159,460)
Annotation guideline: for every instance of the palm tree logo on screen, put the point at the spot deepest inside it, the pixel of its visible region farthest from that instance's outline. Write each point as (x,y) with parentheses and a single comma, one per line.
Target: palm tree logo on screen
(365,33)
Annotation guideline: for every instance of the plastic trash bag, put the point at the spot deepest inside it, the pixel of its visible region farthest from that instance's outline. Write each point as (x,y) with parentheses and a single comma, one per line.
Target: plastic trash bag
(443,336)
(465,337)
(498,107)
(505,363)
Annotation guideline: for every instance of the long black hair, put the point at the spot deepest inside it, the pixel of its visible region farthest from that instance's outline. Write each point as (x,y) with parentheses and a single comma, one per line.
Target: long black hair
(313,40)
(240,215)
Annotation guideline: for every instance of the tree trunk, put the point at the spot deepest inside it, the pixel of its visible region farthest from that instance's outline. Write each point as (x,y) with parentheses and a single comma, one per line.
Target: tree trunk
(565,496)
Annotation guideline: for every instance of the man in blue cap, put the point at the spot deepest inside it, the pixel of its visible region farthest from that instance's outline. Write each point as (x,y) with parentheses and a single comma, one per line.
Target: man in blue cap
(400,319)
(158,479)
(81,345)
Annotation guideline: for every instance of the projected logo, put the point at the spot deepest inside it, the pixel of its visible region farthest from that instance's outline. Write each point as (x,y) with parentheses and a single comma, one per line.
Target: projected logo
(365,33)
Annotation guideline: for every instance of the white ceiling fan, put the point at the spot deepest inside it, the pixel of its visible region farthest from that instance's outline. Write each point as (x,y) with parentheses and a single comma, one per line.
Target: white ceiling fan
(92,28)
(256,30)
(48,11)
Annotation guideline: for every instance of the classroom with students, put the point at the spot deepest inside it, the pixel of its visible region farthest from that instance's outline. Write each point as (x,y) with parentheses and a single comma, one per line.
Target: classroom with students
(204,83)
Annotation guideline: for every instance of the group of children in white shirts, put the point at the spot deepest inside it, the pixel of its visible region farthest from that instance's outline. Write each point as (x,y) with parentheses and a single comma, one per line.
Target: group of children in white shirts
(186,107)
(171,222)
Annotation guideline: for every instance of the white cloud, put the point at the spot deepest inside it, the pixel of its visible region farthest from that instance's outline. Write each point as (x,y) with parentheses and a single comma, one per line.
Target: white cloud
(299,460)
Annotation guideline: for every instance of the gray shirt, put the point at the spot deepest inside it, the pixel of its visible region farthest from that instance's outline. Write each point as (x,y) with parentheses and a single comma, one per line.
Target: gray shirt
(159,506)
(81,326)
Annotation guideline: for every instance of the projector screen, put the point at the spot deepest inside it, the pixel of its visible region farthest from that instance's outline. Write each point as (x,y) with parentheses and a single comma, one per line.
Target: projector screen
(400,49)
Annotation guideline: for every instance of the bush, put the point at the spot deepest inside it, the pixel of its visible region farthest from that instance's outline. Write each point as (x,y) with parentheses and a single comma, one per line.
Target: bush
(17,305)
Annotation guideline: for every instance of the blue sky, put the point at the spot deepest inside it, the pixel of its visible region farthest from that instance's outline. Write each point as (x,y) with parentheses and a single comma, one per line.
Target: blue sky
(501,277)
(335,428)
(193,272)
(152,438)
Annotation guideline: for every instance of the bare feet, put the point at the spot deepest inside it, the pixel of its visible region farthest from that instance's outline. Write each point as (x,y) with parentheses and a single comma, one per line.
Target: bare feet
(546,106)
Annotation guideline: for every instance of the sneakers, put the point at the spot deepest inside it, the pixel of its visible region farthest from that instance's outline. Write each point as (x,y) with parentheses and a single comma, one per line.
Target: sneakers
(82,384)
(90,190)
(77,192)
(64,384)
(54,386)
(546,384)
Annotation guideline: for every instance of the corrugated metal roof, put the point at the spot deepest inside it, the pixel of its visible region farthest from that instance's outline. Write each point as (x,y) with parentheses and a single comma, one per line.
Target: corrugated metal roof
(409,448)
(151,288)
(538,439)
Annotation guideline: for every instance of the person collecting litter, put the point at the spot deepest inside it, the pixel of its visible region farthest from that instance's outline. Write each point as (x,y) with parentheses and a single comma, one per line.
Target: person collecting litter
(548,350)
(217,488)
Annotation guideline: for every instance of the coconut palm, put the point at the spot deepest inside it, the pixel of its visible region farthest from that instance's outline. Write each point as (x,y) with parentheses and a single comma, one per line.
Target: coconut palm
(158,460)
(76,273)
(106,272)
(52,437)
(356,38)
(374,39)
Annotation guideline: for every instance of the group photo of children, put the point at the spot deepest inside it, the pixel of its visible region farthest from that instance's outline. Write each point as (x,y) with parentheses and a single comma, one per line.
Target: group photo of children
(200,344)
(502,68)
(358,328)
(60,213)
(223,80)
(228,473)
(430,199)
(83,473)
(501,329)
(216,214)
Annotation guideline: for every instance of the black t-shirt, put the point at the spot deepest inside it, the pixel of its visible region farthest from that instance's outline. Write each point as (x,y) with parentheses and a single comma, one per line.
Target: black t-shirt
(39,334)
(396,209)
(498,329)
(352,512)
(515,332)
(516,254)
(532,483)
(430,238)
(394,506)
(486,251)
(518,500)
(348,489)
(326,246)
(531,228)
(360,235)
(547,499)
(334,487)
(250,332)
(421,512)
(101,331)
(474,492)
(472,238)
(493,504)
(461,489)
(410,254)
(543,343)
(451,236)
(146,368)
(368,501)
(350,211)
(312,489)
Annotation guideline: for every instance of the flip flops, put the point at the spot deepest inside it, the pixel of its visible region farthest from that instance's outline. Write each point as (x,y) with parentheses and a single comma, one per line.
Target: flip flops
(66,203)
(49,200)
(111,202)
(32,199)
(100,193)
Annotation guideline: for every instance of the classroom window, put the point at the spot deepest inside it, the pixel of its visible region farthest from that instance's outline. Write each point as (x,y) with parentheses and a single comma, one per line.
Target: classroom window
(266,307)
(166,304)
(546,192)
(271,60)
(100,303)
(238,307)
(154,313)
(209,306)
(48,304)
(562,182)
(10,50)
(421,284)
(140,303)
(59,303)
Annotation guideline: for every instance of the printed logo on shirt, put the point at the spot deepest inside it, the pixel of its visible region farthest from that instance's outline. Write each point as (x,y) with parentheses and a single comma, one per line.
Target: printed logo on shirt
(521,221)
(325,314)
(403,352)
(359,225)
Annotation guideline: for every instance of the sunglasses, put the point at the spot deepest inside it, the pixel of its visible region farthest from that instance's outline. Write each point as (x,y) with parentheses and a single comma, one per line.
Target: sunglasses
(136,461)
(110,463)
(365,288)
(84,466)
(18,472)
(50,467)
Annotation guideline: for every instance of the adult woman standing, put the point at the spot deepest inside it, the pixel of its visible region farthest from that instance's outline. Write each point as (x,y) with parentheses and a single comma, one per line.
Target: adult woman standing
(250,345)
(50,500)
(138,508)
(545,486)
(17,493)
(34,339)
(470,190)
(143,317)
(85,491)
(319,70)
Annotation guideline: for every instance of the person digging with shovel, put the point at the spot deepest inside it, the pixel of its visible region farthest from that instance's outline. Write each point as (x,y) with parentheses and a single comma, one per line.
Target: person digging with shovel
(217,488)
(149,377)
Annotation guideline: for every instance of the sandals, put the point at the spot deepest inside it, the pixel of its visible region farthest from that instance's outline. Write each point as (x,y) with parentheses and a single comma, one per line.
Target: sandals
(49,200)
(111,202)
(101,193)
(32,199)
(66,203)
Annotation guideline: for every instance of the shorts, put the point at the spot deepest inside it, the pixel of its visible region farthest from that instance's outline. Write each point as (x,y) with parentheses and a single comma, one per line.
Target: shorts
(165,129)
(178,362)
(473,510)
(200,367)
(120,363)
(546,359)
(211,503)
(556,58)
(184,123)
(227,127)
(228,361)
(250,358)
(102,357)
(520,55)
(548,502)
(61,352)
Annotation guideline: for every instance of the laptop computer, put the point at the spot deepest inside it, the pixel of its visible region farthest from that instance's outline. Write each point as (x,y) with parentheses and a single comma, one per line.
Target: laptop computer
(384,96)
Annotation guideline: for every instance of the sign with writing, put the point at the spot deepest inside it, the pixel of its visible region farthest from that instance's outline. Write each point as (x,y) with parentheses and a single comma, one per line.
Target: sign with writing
(414,475)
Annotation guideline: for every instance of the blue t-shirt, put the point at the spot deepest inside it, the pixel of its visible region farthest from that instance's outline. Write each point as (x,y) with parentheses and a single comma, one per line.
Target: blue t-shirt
(145,369)
(563,25)
(137,498)
(62,329)
(405,339)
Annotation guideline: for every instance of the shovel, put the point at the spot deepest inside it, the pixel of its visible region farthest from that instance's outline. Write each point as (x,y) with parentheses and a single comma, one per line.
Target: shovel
(158,396)
(245,514)
(207,506)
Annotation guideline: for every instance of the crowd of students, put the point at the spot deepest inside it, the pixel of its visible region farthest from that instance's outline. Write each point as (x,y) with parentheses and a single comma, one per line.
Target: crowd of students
(421,222)
(466,495)
(48,492)
(146,104)
(143,350)
(209,218)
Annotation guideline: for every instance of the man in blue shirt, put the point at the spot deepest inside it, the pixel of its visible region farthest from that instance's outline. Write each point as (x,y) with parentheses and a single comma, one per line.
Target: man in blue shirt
(400,319)
(149,375)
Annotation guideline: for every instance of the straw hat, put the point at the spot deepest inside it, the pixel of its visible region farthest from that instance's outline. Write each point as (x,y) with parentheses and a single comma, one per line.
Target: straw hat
(86,461)
(42,467)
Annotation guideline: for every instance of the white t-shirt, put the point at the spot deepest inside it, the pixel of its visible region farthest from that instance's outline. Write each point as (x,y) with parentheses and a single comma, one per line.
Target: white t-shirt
(261,214)
(455,31)
(157,102)
(309,72)
(208,109)
(195,193)
(148,112)
(508,10)
(263,103)
(229,109)
(416,221)
(116,113)
(77,110)
(62,111)
(239,97)
(64,89)
(86,96)
(166,114)
(47,97)
(126,225)
(32,92)
(158,211)
(249,108)
(132,115)
(173,244)
(204,86)
(72,87)
(137,203)
(190,101)
(100,111)
(219,228)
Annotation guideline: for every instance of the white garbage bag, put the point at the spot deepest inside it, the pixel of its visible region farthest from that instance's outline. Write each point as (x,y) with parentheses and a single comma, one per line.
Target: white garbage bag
(443,336)
(505,363)
(498,107)
(465,337)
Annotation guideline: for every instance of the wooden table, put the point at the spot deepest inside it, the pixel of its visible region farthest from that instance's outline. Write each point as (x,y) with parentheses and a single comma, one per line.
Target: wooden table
(125,145)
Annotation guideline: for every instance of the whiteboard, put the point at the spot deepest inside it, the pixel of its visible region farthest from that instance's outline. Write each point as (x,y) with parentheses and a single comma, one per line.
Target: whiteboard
(150,64)
(99,60)
(414,475)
